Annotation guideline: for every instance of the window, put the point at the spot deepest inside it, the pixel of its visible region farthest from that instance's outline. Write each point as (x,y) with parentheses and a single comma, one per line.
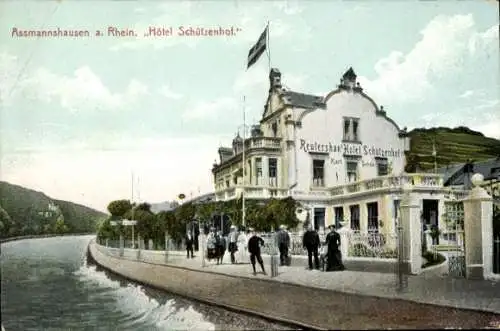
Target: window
(354,209)
(355,129)
(274,127)
(372,216)
(382,167)
(339,216)
(352,170)
(318,172)
(319,218)
(273,171)
(351,129)
(347,123)
(249,170)
(258,170)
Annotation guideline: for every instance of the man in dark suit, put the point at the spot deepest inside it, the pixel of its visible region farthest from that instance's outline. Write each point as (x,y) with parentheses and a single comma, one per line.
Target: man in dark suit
(254,244)
(311,242)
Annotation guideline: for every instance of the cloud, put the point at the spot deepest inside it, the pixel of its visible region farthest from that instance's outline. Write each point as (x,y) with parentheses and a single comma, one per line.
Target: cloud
(253,84)
(10,71)
(289,7)
(72,174)
(84,89)
(210,109)
(259,77)
(167,92)
(466,94)
(249,17)
(490,128)
(445,42)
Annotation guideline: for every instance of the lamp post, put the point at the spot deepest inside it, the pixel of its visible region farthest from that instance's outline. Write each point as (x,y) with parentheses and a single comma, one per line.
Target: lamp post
(201,224)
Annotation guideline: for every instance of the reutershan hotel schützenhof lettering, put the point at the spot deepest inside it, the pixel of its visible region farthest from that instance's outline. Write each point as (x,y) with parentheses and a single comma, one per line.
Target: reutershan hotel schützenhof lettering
(339,155)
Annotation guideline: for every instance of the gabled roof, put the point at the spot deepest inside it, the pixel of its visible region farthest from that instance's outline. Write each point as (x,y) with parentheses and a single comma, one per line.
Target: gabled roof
(455,174)
(225,150)
(302,100)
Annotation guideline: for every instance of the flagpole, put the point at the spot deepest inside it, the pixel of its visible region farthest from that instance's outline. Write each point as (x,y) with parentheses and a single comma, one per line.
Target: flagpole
(268,46)
(434,153)
(243,211)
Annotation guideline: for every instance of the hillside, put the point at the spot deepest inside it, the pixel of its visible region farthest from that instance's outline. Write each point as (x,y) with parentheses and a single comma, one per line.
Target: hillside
(25,212)
(452,146)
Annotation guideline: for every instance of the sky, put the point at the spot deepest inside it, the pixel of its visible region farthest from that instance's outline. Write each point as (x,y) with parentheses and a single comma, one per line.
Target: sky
(81,119)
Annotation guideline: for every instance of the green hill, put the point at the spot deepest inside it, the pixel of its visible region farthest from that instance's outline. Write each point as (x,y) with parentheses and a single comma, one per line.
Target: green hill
(452,146)
(26,212)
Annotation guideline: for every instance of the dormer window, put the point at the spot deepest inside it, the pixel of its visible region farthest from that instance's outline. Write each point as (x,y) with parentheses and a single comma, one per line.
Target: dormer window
(351,129)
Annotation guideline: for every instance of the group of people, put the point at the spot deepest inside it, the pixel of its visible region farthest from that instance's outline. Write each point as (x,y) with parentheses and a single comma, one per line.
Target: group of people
(217,244)
(241,241)
(331,258)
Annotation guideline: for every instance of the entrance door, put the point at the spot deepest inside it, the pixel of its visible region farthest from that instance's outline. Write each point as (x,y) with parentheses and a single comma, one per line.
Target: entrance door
(430,216)
(319,219)
(372,208)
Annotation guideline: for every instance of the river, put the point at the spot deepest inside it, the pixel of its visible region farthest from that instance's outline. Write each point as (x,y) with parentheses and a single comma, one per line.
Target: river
(47,284)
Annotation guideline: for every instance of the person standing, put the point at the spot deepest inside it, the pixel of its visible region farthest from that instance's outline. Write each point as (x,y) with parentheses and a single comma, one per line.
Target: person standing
(189,244)
(311,242)
(233,240)
(254,244)
(220,246)
(242,247)
(334,262)
(283,239)
(211,247)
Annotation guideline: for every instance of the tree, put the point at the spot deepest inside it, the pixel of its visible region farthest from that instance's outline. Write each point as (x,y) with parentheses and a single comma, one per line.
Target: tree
(118,208)
(144,206)
(60,227)
(107,231)
(165,222)
(412,163)
(145,222)
(6,222)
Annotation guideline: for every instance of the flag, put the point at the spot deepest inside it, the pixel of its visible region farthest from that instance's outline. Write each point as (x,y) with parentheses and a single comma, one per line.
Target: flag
(259,48)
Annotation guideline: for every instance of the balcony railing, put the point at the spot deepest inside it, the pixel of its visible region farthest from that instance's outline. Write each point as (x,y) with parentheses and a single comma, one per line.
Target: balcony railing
(263,142)
(252,192)
(416,180)
(419,181)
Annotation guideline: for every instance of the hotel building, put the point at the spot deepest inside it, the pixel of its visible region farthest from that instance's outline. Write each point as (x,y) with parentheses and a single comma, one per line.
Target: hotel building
(339,155)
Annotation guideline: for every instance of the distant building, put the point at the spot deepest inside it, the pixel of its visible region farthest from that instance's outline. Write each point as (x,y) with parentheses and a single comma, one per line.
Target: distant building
(459,175)
(340,156)
(52,210)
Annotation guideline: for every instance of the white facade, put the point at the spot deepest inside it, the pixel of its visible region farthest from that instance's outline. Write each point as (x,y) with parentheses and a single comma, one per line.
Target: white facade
(339,155)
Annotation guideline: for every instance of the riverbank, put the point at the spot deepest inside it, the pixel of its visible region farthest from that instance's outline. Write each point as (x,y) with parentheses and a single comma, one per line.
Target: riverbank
(40,236)
(295,297)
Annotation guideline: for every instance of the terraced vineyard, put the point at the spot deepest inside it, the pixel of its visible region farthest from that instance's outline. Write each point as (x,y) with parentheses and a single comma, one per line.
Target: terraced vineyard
(452,146)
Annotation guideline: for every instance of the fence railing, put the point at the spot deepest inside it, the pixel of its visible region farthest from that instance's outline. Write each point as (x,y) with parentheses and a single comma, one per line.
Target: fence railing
(371,244)
(356,244)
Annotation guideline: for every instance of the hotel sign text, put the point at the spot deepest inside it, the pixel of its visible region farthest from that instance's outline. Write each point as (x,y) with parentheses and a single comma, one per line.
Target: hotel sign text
(349,149)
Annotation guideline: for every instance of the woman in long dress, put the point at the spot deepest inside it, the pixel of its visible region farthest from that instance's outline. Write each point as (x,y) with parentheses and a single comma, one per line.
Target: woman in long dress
(242,256)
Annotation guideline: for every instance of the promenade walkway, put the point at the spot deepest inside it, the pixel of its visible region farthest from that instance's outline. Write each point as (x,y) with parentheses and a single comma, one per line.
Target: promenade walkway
(346,300)
(429,289)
